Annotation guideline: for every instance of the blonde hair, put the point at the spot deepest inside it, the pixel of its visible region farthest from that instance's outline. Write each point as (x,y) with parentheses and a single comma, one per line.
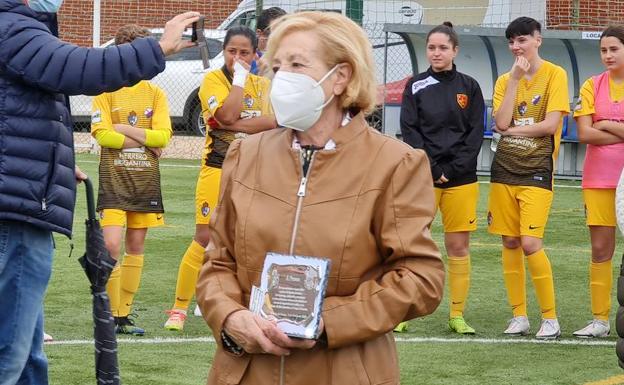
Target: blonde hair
(129,32)
(342,41)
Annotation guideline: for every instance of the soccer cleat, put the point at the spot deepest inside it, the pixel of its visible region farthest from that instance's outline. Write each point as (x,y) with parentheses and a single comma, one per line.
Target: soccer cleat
(197,312)
(401,327)
(549,330)
(176,320)
(47,337)
(518,326)
(459,325)
(126,326)
(594,329)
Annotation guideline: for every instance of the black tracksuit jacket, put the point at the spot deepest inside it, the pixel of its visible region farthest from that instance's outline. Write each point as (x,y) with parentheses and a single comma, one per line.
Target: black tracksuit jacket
(443,114)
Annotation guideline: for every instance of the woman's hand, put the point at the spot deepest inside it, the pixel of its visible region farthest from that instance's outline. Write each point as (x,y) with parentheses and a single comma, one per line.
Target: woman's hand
(441,180)
(520,68)
(257,335)
(156,151)
(247,330)
(241,70)
(601,125)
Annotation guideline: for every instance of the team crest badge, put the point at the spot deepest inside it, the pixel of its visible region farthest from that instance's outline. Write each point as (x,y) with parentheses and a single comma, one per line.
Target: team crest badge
(462,100)
(133,119)
(205,209)
(148,112)
(536,99)
(248,101)
(522,108)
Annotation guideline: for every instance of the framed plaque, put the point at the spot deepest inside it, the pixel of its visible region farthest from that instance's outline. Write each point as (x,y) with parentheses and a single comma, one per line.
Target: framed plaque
(291,293)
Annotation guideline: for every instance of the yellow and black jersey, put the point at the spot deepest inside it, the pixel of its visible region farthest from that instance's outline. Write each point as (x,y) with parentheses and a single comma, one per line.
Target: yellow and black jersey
(129,179)
(525,161)
(214,89)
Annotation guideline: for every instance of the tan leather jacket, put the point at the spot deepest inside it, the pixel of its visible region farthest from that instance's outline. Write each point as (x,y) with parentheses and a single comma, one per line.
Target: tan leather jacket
(367,206)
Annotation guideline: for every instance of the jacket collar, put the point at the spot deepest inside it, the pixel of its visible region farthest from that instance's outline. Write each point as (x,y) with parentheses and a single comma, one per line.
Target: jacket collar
(341,136)
(443,75)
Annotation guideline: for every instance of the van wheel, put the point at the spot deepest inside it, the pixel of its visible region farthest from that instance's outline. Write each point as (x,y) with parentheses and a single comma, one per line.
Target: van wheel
(375,120)
(195,122)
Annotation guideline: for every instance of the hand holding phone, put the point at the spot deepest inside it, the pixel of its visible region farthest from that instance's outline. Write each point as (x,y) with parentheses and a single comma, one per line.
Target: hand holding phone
(198,29)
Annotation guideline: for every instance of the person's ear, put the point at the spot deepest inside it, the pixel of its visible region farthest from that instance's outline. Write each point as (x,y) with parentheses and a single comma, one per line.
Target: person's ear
(343,78)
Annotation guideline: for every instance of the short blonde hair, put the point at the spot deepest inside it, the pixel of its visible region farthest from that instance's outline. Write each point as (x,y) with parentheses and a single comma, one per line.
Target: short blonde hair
(342,41)
(129,32)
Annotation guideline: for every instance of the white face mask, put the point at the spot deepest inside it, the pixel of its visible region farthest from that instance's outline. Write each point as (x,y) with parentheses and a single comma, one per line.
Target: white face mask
(297,99)
(48,6)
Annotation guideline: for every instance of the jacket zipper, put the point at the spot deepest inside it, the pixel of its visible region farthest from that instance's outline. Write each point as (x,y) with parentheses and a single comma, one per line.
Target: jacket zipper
(301,193)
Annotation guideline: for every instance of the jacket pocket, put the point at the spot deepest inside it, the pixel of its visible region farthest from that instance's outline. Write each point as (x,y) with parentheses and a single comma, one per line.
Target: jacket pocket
(227,369)
(380,360)
(51,174)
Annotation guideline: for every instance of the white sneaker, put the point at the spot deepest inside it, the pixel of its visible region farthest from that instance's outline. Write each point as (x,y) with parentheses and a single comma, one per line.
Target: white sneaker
(47,337)
(197,312)
(518,326)
(595,329)
(549,330)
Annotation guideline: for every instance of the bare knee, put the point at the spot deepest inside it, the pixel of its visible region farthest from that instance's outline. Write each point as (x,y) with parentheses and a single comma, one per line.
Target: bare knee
(511,242)
(113,246)
(457,244)
(202,235)
(531,245)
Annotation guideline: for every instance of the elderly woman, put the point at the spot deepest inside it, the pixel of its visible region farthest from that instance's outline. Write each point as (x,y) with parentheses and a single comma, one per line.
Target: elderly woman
(325,185)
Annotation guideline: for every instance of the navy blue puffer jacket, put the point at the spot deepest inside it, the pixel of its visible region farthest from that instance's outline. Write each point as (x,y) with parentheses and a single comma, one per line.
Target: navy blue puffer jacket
(37,182)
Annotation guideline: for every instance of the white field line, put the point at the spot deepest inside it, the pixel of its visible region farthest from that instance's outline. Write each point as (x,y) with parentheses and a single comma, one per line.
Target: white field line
(197,166)
(402,340)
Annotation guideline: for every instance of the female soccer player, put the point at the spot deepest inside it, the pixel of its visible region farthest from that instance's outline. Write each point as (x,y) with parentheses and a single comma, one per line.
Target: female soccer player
(237,103)
(133,126)
(599,113)
(442,113)
(529,104)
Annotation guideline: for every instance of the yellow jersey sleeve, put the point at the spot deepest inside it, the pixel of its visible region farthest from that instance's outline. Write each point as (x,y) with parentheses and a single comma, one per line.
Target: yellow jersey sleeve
(558,99)
(585,103)
(213,92)
(102,123)
(265,88)
(499,92)
(161,131)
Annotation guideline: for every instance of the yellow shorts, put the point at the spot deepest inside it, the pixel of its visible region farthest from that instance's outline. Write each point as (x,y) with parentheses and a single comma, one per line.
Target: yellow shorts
(206,194)
(458,206)
(134,220)
(599,206)
(518,210)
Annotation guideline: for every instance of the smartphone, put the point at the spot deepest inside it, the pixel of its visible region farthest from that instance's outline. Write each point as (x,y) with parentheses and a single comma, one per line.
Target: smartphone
(198,29)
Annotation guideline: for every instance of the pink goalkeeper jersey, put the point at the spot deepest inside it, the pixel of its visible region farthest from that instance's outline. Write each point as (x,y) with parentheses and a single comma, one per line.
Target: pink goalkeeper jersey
(603,164)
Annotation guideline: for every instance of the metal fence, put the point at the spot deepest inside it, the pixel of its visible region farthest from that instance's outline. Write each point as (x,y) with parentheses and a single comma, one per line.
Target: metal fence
(88,22)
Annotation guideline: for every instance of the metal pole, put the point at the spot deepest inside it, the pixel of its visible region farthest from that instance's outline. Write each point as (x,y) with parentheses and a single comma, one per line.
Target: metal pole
(355,10)
(258,8)
(96,22)
(385,80)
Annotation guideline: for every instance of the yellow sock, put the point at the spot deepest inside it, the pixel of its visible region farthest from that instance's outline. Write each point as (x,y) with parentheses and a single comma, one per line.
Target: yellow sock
(515,277)
(131,269)
(459,282)
(187,275)
(600,282)
(541,273)
(112,288)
